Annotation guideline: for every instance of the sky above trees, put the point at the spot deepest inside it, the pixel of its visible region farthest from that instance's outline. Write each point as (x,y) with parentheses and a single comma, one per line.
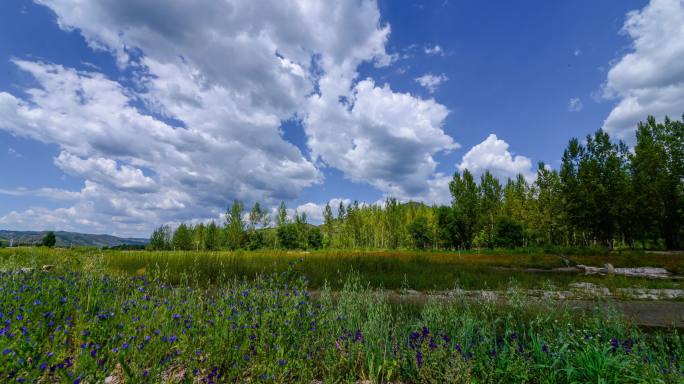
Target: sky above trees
(118,116)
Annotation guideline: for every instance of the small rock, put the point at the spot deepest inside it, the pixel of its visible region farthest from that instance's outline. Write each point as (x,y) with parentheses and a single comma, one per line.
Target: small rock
(174,374)
(26,270)
(117,376)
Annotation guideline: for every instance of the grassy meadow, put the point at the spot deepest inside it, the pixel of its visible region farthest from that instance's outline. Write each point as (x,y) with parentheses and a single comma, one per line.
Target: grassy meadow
(379,269)
(141,316)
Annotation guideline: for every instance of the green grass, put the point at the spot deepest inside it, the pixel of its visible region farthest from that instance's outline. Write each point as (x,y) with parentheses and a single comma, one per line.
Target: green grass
(380,269)
(89,319)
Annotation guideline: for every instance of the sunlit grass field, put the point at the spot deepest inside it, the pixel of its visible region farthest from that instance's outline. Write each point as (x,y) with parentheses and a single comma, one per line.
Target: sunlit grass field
(139,317)
(380,269)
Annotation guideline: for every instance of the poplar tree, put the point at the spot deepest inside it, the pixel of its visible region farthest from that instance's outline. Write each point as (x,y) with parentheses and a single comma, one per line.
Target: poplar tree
(235,226)
(465,202)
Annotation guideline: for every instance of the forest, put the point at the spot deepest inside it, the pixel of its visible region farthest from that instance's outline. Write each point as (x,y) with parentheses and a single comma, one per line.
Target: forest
(604,194)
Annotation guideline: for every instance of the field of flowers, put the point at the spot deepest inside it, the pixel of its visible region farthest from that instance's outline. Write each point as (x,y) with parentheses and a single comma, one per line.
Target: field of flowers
(81,323)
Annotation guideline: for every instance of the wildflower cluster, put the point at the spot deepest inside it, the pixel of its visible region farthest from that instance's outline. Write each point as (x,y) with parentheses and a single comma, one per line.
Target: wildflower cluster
(71,327)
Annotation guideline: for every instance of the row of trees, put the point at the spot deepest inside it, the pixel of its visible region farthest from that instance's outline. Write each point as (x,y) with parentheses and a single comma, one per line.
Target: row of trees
(604,194)
(254,232)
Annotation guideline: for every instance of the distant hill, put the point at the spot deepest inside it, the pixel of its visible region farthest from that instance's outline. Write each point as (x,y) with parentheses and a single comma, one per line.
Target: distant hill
(65,239)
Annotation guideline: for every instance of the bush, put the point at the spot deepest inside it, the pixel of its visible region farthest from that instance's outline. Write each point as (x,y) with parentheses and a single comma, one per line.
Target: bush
(315,238)
(287,236)
(299,236)
(255,240)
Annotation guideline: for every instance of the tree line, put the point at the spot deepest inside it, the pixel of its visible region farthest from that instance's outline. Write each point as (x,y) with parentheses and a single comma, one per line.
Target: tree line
(604,194)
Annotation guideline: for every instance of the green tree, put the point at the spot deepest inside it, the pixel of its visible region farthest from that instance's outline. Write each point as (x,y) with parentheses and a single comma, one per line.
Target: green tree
(549,216)
(595,182)
(254,240)
(160,238)
(508,232)
(182,238)
(658,180)
(328,224)
(212,237)
(420,233)
(394,221)
(491,196)
(314,238)
(465,202)
(301,230)
(235,226)
(287,236)
(341,211)
(447,228)
(281,217)
(198,236)
(256,216)
(49,240)
(255,237)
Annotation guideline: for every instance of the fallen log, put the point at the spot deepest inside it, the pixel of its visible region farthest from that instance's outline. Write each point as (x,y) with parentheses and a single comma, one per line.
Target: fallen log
(608,269)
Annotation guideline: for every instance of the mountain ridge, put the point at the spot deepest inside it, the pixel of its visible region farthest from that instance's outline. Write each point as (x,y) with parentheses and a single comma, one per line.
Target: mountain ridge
(66,239)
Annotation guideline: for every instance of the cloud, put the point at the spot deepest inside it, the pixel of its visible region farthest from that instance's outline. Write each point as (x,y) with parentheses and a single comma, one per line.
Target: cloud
(575,104)
(431,82)
(13,152)
(577,52)
(51,193)
(378,136)
(106,171)
(106,140)
(435,50)
(492,154)
(194,117)
(649,80)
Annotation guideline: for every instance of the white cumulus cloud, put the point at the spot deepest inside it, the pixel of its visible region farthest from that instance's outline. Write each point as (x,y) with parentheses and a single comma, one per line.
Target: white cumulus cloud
(492,154)
(649,80)
(201,124)
(379,136)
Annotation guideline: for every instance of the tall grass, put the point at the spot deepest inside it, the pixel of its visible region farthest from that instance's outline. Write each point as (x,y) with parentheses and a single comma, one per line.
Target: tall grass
(380,269)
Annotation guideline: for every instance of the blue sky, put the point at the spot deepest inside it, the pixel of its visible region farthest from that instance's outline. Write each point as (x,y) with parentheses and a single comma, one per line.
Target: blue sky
(119,116)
